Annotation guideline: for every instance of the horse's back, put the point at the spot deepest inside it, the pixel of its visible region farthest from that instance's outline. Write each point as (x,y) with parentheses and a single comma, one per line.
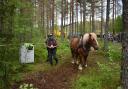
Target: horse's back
(74,42)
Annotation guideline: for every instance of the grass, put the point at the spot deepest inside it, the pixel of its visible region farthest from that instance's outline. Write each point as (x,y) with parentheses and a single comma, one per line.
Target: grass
(88,81)
(40,64)
(105,74)
(100,74)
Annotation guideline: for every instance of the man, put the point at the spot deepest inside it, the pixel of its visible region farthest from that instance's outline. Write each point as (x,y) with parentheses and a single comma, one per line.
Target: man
(51,48)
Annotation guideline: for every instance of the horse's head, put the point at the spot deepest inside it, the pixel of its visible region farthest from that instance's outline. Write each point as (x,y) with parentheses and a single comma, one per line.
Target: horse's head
(91,40)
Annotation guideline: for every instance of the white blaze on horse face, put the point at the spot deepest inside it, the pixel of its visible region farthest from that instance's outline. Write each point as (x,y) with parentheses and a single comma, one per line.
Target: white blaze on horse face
(80,67)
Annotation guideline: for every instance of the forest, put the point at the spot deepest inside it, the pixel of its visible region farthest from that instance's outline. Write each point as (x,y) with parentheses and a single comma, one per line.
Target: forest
(92,30)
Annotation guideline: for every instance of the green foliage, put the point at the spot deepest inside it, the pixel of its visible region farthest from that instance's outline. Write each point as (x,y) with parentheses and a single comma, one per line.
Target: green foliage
(63,48)
(88,82)
(9,64)
(106,77)
(40,53)
(4,81)
(118,24)
(6,16)
(17,22)
(114,52)
(109,74)
(29,46)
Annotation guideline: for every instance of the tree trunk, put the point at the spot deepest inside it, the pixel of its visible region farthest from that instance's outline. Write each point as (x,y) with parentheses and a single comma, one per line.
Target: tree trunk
(84,15)
(67,12)
(124,65)
(115,8)
(62,19)
(70,19)
(52,16)
(102,19)
(107,25)
(64,11)
(113,17)
(93,14)
(47,15)
(81,25)
(72,6)
(90,18)
(77,16)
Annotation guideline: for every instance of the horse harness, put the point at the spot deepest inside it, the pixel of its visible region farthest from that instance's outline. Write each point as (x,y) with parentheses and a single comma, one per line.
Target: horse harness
(86,47)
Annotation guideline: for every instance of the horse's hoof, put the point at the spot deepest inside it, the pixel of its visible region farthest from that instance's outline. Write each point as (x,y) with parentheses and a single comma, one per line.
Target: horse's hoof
(73,62)
(80,67)
(86,65)
(77,62)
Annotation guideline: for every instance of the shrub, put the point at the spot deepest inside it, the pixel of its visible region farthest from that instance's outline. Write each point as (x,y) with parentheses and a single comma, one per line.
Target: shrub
(114,52)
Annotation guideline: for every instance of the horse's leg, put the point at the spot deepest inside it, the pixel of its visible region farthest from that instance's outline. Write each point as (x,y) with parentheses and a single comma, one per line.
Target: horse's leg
(76,59)
(73,56)
(80,63)
(76,54)
(85,61)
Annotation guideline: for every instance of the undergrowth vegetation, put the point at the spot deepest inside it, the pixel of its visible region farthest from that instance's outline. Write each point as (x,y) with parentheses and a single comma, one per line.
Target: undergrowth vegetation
(106,75)
(15,70)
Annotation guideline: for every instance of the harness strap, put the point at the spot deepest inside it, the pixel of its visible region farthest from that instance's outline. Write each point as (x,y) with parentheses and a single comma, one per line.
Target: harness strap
(81,45)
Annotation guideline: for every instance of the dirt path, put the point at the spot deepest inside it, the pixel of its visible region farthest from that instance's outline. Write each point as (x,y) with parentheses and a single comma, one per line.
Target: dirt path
(58,78)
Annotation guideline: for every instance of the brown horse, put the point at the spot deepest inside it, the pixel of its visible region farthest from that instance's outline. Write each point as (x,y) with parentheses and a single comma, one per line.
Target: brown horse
(80,47)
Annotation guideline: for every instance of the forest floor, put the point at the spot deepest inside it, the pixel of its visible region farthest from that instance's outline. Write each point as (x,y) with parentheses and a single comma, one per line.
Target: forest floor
(61,76)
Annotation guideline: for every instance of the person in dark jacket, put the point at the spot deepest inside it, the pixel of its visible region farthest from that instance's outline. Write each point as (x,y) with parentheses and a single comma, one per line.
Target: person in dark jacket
(51,44)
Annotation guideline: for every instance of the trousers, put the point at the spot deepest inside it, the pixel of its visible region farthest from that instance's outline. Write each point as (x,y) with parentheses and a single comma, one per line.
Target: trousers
(52,55)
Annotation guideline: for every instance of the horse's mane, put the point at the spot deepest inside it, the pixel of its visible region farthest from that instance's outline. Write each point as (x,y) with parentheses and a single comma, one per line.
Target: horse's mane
(86,37)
